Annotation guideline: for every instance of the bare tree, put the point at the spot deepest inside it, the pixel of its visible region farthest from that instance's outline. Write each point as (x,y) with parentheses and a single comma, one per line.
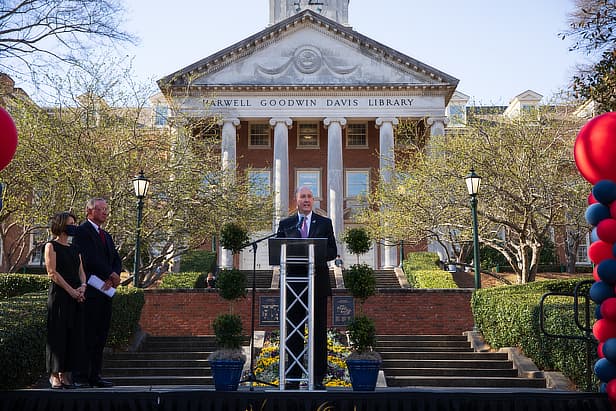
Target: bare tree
(592,26)
(529,184)
(91,142)
(34,31)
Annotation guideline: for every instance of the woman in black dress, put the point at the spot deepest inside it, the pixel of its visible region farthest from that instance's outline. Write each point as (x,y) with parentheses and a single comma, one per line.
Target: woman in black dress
(64,303)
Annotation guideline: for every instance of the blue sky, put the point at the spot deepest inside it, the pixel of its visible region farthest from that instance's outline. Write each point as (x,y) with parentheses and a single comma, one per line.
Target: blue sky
(496,48)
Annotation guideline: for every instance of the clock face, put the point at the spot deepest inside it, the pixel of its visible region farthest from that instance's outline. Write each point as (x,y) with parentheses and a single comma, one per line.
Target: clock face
(316,5)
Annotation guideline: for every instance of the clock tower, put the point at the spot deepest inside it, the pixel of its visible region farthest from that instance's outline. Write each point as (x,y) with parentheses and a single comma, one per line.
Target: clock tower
(337,10)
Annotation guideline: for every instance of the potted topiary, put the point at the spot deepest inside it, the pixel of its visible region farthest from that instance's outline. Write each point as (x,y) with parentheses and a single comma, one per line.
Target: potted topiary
(228,360)
(364,362)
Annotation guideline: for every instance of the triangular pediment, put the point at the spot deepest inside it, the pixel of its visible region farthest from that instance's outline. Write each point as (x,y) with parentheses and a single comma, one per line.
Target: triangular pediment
(309,50)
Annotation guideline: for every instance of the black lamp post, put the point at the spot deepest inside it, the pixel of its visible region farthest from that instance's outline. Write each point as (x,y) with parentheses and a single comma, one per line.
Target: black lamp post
(472,184)
(141,185)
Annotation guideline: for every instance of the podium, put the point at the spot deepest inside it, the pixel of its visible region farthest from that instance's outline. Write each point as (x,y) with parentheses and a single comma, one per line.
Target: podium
(296,257)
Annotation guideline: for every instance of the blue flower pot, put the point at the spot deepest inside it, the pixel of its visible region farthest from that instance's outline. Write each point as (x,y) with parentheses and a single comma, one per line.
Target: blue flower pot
(226,374)
(363,373)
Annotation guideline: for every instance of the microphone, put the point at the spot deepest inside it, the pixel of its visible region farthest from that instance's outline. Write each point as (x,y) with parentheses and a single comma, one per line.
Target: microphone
(300,223)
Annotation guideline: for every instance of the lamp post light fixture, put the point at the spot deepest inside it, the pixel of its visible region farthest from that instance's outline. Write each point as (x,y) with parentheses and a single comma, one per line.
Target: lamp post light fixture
(141,185)
(472,184)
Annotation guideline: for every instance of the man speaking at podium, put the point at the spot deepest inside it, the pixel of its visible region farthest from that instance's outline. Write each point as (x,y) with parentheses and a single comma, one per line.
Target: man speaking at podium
(307,224)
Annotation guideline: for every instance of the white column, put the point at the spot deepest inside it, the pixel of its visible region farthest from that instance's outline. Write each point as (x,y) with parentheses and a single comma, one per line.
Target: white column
(228,165)
(386,164)
(437,125)
(335,176)
(281,167)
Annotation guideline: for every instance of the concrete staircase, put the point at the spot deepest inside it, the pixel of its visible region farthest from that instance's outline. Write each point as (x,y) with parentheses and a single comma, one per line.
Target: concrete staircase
(447,361)
(386,279)
(408,361)
(163,361)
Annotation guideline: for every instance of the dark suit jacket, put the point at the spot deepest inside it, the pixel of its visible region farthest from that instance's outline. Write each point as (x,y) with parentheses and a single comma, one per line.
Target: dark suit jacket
(320,227)
(98,258)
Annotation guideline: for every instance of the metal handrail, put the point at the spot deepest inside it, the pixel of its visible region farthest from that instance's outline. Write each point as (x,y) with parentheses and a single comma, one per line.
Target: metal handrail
(588,336)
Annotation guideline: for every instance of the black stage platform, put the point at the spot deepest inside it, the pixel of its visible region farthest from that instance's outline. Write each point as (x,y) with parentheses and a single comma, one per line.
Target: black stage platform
(205,398)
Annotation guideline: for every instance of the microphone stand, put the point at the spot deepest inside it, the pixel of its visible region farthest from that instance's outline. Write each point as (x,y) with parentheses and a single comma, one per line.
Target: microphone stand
(251,378)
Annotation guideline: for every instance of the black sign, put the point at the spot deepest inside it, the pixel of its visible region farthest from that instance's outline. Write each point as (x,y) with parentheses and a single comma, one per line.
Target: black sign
(343,310)
(269,310)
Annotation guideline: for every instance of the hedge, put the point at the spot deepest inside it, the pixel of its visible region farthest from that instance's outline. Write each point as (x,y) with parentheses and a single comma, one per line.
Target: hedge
(422,271)
(508,316)
(184,280)
(198,260)
(23,329)
(18,284)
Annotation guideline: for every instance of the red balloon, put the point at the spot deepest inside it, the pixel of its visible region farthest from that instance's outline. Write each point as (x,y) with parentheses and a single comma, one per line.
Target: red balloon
(604,329)
(595,149)
(592,199)
(613,209)
(600,350)
(610,389)
(608,309)
(595,274)
(8,138)
(600,250)
(606,230)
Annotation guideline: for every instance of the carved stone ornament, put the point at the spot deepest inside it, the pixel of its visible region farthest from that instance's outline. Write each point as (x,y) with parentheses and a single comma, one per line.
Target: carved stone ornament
(307,60)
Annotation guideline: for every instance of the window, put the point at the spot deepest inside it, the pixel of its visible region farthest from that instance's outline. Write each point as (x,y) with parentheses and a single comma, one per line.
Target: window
(37,242)
(357,135)
(259,135)
(457,115)
(161,112)
(357,183)
(310,178)
(260,182)
(308,135)
(582,252)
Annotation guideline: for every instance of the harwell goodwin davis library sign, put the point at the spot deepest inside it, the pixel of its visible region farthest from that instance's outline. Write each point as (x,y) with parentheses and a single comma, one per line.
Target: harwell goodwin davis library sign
(318,106)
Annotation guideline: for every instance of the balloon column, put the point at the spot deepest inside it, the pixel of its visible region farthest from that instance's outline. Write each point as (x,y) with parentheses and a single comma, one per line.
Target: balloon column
(8,138)
(595,154)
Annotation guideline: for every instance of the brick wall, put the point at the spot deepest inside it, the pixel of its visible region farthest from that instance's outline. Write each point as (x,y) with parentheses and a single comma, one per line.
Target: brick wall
(191,312)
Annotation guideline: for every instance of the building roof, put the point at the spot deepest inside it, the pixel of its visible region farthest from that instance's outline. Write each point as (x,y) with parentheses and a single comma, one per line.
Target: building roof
(308,51)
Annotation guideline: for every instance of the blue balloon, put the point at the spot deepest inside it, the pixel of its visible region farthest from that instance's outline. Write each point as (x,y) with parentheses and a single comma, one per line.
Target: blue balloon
(593,235)
(596,212)
(601,291)
(604,191)
(607,270)
(603,388)
(609,349)
(605,369)
(598,314)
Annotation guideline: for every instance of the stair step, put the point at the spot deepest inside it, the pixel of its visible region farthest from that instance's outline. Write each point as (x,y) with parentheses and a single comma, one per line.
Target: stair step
(475,364)
(451,372)
(411,338)
(141,355)
(162,380)
(158,372)
(160,363)
(485,382)
(443,355)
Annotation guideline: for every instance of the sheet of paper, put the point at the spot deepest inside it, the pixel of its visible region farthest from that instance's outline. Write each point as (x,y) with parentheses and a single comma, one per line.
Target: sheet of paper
(97,283)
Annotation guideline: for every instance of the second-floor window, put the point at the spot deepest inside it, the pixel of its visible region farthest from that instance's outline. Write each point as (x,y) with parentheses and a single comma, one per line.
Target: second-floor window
(357,135)
(259,135)
(308,135)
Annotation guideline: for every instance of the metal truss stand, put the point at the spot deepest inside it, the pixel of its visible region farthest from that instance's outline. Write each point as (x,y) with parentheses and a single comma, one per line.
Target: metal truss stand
(299,289)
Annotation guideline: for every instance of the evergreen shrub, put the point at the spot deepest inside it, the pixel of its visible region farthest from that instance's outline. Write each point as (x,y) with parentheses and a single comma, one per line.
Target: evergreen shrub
(198,260)
(422,271)
(508,316)
(17,284)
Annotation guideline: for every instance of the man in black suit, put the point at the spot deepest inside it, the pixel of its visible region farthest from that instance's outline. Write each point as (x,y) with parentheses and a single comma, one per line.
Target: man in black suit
(311,225)
(100,258)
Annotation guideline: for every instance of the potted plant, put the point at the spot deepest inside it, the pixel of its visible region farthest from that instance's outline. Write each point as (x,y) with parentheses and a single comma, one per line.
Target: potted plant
(228,360)
(364,362)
